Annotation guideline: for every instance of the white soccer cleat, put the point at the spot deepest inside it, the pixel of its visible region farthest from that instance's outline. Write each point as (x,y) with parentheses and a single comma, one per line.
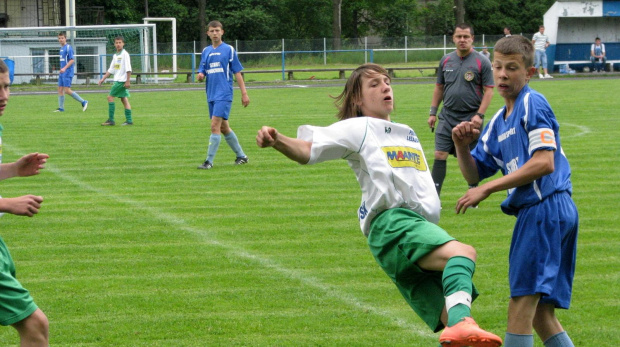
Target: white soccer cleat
(548,76)
(541,76)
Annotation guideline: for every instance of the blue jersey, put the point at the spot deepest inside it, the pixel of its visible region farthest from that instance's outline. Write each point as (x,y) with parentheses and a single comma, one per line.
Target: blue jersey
(219,65)
(507,144)
(66,55)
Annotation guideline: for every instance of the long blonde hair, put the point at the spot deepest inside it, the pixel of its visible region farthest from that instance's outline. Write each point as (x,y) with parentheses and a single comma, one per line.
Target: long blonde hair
(348,101)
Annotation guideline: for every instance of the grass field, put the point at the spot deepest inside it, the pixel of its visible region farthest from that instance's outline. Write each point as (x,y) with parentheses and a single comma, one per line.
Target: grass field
(136,247)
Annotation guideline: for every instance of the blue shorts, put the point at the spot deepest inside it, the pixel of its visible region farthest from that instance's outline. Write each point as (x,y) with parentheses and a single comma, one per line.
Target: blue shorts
(540,58)
(544,249)
(64,80)
(219,109)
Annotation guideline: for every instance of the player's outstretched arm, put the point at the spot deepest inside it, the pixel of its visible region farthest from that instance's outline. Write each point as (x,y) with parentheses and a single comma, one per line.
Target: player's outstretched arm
(28,165)
(27,205)
(295,149)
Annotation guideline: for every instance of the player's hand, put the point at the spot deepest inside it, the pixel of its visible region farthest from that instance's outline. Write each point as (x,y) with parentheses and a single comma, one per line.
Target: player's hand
(465,133)
(101,81)
(30,164)
(472,198)
(267,137)
(477,121)
(62,70)
(127,84)
(245,100)
(200,77)
(27,205)
(432,119)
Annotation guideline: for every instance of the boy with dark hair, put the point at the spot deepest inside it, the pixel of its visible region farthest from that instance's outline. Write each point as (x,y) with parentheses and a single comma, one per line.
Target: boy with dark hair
(523,141)
(65,78)
(17,308)
(121,68)
(400,206)
(218,64)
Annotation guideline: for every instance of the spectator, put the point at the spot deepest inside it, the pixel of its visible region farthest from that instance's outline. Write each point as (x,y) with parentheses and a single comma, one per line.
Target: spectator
(597,56)
(541,42)
(507,31)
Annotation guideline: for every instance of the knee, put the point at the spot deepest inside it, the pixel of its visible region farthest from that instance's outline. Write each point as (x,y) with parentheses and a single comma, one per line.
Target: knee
(468,251)
(439,155)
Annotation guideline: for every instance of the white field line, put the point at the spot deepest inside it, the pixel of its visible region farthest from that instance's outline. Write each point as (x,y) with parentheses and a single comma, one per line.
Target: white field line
(582,130)
(236,251)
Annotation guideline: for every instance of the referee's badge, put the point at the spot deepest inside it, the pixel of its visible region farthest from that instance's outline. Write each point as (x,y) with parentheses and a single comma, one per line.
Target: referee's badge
(469,76)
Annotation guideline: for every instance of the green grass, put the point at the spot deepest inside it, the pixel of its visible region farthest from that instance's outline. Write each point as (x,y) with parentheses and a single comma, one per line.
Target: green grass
(136,247)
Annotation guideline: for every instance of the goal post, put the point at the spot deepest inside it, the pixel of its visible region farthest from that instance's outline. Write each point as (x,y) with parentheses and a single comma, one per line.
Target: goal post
(35,50)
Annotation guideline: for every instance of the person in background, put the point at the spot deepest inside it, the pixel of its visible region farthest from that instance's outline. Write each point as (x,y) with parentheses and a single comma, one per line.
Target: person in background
(465,85)
(597,56)
(541,42)
(65,78)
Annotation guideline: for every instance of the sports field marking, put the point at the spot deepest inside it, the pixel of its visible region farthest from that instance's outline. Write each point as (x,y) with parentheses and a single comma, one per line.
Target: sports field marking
(582,130)
(236,251)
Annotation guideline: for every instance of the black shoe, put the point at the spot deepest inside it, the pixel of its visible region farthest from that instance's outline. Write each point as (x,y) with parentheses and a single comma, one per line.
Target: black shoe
(241,160)
(108,122)
(206,165)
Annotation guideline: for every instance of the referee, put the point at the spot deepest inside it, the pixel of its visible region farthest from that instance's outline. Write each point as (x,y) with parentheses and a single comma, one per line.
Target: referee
(465,84)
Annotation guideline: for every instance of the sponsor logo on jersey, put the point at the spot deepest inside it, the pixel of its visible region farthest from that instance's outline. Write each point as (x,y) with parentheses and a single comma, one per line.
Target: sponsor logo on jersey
(405,157)
(388,130)
(363,211)
(412,137)
(506,134)
(469,76)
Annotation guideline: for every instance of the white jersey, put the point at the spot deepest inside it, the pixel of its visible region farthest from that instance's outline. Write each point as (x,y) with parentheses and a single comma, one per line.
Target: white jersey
(540,41)
(388,161)
(119,66)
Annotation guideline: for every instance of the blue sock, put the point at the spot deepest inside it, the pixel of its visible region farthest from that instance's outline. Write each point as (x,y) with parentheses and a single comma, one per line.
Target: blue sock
(77,97)
(516,340)
(559,340)
(214,144)
(233,142)
(61,102)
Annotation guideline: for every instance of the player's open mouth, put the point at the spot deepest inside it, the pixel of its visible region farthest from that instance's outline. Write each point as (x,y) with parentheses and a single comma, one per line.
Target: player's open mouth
(388,98)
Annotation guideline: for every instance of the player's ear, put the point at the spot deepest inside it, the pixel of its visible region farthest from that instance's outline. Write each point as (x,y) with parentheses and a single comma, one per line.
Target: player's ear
(531,71)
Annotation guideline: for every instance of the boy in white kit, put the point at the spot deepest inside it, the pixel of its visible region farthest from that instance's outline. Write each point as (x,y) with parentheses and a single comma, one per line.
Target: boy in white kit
(399,206)
(121,68)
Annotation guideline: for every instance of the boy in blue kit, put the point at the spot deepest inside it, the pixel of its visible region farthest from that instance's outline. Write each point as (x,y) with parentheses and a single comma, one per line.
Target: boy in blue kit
(67,63)
(17,308)
(522,140)
(218,64)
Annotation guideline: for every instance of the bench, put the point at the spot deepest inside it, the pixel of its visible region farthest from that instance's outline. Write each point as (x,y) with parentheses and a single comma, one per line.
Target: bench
(38,76)
(138,75)
(608,62)
(341,71)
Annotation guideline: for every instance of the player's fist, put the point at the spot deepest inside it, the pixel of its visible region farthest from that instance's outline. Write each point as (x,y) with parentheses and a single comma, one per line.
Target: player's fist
(27,205)
(465,133)
(200,77)
(266,137)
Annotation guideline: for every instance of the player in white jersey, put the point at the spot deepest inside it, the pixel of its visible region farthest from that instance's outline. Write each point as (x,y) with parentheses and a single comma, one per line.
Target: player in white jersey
(400,206)
(522,141)
(120,67)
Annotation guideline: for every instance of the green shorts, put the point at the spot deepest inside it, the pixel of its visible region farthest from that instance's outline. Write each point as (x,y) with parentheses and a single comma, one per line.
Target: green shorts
(119,91)
(398,239)
(16,304)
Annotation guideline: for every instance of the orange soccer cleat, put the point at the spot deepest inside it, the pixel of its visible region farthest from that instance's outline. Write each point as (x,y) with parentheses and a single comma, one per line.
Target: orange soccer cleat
(468,333)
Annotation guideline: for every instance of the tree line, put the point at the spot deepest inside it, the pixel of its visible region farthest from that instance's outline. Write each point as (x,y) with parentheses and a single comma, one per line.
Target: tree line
(302,19)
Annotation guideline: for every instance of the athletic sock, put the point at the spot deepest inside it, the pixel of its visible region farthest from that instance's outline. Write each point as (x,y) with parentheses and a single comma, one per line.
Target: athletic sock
(61,102)
(111,109)
(559,340)
(233,142)
(77,97)
(214,144)
(128,115)
(439,174)
(457,288)
(516,340)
